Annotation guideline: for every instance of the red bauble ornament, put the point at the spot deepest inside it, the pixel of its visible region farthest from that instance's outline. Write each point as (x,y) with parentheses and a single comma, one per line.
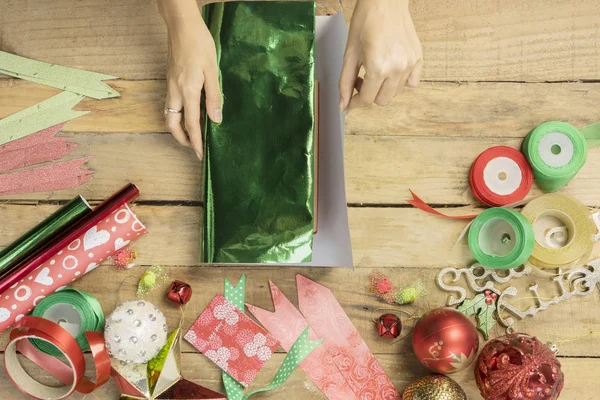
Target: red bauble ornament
(389,326)
(179,292)
(445,340)
(518,367)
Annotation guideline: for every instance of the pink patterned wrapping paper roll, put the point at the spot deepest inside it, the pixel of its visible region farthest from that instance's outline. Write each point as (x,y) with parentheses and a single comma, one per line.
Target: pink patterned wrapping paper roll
(81,256)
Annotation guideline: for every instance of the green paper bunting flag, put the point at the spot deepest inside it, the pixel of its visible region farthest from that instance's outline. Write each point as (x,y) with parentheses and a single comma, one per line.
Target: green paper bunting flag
(237,296)
(50,112)
(85,83)
(301,348)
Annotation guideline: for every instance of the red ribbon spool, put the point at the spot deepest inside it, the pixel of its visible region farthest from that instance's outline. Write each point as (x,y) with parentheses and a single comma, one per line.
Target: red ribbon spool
(500,175)
(71,374)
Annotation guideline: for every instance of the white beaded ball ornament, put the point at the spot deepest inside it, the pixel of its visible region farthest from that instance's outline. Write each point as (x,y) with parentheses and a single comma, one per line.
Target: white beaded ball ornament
(135,332)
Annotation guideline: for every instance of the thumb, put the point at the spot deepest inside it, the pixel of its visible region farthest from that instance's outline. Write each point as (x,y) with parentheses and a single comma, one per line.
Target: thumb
(214,100)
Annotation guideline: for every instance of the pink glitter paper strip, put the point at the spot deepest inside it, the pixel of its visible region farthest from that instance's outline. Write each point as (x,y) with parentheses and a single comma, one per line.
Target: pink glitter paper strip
(56,176)
(34,149)
(286,324)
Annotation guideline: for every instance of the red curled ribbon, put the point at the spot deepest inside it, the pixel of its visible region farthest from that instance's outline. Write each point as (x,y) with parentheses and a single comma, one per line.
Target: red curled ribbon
(500,175)
(421,205)
(71,375)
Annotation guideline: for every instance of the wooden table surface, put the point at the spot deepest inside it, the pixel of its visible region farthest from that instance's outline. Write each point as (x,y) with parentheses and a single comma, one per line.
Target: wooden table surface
(493,70)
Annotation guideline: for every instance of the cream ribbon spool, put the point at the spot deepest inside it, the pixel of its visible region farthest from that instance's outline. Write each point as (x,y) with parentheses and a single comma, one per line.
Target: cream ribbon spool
(564,231)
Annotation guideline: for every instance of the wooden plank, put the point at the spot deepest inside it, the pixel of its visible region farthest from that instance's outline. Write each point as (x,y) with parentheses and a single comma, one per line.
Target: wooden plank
(123,39)
(581,381)
(351,289)
(379,169)
(492,109)
(381,237)
(534,40)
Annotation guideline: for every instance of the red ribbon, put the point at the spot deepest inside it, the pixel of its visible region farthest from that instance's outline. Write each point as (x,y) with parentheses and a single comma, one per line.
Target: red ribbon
(484,193)
(421,205)
(71,375)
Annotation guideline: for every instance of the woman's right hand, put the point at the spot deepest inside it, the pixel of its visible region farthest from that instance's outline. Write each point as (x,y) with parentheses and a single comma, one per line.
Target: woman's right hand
(192,67)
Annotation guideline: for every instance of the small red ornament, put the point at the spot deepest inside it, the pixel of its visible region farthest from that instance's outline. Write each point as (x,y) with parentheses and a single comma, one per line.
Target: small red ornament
(179,292)
(445,340)
(389,326)
(518,367)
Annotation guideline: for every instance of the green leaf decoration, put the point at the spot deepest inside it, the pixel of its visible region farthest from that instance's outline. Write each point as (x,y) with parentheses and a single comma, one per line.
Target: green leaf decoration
(470,306)
(484,312)
(486,319)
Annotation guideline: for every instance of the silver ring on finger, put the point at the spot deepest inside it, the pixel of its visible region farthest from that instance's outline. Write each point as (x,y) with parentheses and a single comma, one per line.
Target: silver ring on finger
(168,110)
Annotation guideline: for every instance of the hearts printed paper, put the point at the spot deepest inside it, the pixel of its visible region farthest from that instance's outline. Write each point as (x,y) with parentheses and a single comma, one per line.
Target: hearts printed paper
(81,256)
(230,339)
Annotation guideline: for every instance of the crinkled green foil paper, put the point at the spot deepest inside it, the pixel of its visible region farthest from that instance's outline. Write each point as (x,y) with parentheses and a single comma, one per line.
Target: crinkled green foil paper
(259,167)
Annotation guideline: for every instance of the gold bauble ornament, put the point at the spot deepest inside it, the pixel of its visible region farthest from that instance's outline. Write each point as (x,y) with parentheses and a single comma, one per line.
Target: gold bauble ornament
(434,387)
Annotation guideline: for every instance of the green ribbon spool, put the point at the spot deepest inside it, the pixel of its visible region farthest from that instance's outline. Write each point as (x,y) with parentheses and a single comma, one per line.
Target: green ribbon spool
(76,311)
(557,151)
(501,238)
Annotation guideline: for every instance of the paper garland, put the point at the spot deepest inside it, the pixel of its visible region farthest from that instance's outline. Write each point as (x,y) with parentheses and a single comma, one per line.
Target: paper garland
(85,83)
(301,348)
(78,258)
(50,112)
(359,375)
(286,323)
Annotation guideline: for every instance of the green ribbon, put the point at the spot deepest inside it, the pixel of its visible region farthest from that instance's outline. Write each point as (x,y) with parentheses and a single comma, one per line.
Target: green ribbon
(39,235)
(552,170)
(78,81)
(50,112)
(501,238)
(86,305)
(237,296)
(301,348)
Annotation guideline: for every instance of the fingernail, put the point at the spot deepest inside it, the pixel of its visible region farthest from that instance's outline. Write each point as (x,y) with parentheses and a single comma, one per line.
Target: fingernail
(198,154)
(341,106)
(218,115)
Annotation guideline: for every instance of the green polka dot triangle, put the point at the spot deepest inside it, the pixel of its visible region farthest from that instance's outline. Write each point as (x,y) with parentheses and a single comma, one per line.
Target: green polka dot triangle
(301,348)
(236,295)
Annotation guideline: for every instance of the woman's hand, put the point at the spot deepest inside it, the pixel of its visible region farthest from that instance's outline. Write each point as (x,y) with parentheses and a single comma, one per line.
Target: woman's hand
(192,66)
(384,42)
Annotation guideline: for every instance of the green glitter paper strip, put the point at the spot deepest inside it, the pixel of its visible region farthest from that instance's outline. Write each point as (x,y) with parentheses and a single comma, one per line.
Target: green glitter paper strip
(237,296)
(301,348)
(78,81)
(53,111)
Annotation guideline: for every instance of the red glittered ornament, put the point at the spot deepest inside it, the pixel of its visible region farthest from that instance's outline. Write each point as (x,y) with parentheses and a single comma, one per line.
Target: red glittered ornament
(518,367)
(179,292)
(445,340)
(389,326)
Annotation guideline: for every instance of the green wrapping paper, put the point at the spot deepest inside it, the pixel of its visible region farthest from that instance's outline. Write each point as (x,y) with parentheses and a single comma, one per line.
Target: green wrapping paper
(42,233)
(259,166)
